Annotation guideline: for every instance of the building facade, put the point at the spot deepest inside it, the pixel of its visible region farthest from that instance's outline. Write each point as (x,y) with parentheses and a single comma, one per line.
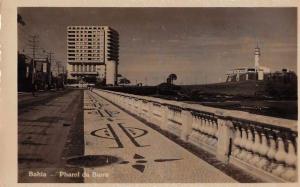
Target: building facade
(29,72)
(257,72)
(93,53)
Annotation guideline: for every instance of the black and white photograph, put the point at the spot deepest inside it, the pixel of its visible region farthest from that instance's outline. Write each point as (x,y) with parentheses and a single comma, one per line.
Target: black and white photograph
(156,95)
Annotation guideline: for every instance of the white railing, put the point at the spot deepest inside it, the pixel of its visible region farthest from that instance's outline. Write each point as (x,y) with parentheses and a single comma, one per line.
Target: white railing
(262,145)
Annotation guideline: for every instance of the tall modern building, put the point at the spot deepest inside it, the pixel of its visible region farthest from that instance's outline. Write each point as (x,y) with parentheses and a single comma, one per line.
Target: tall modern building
(93,53)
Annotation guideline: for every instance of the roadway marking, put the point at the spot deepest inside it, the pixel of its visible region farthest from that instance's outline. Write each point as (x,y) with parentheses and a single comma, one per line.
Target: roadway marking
(98,107)
(100,113)
(133,137)
(108,136)
(139,162)
(108,112)
(131,132)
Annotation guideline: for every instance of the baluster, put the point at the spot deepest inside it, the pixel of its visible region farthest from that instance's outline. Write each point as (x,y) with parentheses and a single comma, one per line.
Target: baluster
(243,153)
(280,158)
(198,127)
(204,120)
(215,135)
(194,128)
(271,154)
(291,158)
(201,129)
(255,148)
(236,142)
(204,129)
(209,131)
(197,119)
(194,122)
(291,161)
(263,150)
(202,124)
(249,145)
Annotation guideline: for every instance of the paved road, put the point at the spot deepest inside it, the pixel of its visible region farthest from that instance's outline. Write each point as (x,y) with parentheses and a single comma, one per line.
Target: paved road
(130,151)
(49,130)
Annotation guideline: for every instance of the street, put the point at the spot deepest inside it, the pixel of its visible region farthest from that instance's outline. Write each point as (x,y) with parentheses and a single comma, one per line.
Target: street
(49,129)
(77,136)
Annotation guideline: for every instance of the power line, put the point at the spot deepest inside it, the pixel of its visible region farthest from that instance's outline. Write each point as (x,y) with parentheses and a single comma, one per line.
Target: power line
(23,32)
(33,44)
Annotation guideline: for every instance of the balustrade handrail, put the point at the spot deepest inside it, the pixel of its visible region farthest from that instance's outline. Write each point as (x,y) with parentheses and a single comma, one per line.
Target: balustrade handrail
(218,112)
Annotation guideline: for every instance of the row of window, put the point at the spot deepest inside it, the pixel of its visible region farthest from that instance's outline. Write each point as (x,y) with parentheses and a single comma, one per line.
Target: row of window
(84,31)
(86,47)
(91,55)
(83,68)
(84,39)
(85,51)
(85,43)
(80,59)
(85,27)
(85,35)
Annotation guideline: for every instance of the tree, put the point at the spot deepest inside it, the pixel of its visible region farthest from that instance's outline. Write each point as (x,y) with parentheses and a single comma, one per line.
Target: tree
(124,81)
(168,80)
(20,20)
(171,78)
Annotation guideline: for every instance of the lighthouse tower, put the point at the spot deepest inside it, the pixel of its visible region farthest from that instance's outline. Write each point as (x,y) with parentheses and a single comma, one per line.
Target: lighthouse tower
(256,57)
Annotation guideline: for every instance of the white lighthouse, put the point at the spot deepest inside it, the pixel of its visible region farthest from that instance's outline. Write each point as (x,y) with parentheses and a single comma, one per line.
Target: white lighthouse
(256,57)
(249,73)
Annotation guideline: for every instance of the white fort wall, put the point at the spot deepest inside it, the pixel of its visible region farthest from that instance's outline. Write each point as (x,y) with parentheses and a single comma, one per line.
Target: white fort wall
(261,145)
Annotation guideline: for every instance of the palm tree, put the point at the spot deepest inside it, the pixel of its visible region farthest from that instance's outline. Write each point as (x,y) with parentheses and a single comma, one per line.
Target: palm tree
(172,77)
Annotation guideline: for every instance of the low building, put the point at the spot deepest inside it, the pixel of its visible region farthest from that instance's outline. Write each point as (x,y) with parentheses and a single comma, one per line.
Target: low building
(257,72)
(40,74)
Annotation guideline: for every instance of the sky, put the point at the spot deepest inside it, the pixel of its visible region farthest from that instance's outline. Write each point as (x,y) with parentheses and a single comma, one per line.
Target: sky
(198,44)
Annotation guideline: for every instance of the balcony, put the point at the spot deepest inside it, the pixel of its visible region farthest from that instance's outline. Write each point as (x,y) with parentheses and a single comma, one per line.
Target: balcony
(74,73)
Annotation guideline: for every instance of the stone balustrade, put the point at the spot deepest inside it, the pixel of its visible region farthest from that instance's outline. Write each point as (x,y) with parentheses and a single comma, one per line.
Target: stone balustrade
(264,146)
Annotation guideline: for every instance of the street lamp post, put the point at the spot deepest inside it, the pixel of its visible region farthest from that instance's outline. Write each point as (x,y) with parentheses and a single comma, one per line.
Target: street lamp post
(33,77)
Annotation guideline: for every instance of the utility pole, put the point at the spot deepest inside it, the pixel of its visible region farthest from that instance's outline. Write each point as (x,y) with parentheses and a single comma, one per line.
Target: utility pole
(57,64)
(33,44)
(63,76)
(49,73)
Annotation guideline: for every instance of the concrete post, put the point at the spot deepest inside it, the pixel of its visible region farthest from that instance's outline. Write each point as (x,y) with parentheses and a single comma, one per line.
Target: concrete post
(186,128)
(224,136)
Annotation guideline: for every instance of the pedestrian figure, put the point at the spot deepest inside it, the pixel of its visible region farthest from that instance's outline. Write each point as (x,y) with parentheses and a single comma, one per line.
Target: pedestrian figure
(33,88)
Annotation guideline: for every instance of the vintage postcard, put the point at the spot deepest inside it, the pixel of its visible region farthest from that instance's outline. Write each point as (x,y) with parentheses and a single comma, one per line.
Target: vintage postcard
(149,93)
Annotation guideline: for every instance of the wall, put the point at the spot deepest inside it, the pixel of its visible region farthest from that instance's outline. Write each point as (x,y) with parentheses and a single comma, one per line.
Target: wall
(261,145)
